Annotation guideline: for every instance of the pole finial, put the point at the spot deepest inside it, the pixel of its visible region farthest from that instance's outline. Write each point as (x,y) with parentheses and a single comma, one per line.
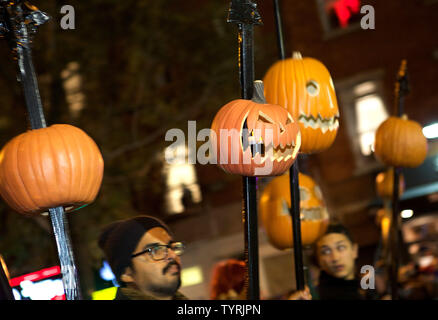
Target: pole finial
(401,88)
(19,21)
(244,12)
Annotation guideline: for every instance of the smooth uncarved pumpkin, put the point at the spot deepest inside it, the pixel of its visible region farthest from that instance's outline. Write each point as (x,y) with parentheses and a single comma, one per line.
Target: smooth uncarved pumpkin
(305,88)
(253,138)
(274,211)
(50,167)
(400,142)
(385,184)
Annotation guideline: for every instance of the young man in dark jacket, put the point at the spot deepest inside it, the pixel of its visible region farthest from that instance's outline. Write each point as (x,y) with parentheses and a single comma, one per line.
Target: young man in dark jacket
(336,253)
(144,258)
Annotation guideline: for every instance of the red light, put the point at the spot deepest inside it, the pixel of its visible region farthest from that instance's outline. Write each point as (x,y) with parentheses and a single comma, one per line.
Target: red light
(344,9)
(35,276)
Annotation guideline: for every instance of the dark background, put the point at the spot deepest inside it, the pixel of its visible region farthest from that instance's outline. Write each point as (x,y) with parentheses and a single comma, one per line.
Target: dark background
(148,66)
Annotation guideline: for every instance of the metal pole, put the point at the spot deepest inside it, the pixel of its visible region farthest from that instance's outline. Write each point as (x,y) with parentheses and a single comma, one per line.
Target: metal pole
(394,237)
(244,13)
(400,92)
(293,175)
(296,225)
(19,21)
(279,28)
(5,288)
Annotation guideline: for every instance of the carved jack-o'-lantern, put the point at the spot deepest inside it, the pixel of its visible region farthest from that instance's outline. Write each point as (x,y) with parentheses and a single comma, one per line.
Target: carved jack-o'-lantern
(305,88)
(274,211)
(253,138)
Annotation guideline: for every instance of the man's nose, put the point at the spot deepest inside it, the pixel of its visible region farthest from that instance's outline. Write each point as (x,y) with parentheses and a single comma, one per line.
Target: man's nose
(172,255)
(334,256)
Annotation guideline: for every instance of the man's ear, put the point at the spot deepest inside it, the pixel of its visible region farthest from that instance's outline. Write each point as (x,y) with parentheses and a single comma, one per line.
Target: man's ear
(127,277)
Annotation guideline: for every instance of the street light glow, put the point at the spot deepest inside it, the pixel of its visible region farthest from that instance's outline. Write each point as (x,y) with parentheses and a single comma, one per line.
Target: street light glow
(407,213)
(431,131)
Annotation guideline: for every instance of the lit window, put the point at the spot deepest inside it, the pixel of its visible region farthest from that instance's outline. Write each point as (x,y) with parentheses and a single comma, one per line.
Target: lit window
(361,98)
(181,182)
(370,113)
(364,88)
(72,81)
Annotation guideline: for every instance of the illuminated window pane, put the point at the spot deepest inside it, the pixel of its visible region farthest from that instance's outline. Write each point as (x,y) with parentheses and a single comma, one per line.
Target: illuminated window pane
(367,143)
(72,81)
(370,113)
(364,88)
(181,181)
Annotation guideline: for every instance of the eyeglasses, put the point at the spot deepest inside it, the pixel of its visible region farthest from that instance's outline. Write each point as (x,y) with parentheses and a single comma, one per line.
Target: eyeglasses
(161,251)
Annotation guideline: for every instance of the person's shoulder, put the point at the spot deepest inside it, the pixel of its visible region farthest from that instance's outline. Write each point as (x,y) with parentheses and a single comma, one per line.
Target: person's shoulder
(120,295)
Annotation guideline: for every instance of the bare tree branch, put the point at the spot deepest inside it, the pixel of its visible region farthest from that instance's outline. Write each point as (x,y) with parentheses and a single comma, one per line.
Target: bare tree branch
(151,137)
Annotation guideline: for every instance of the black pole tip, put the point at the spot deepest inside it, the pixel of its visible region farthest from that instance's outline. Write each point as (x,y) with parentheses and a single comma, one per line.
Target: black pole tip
(244,12)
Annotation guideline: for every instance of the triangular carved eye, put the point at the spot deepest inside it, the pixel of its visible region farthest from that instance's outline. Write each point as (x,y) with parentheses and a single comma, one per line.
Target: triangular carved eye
(281,128)
(284,207)
(312,88)
(304,194)
(289,119)
(265,118)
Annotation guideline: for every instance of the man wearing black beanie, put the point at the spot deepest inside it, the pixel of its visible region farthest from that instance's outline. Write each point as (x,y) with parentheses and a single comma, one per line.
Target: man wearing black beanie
(144,258)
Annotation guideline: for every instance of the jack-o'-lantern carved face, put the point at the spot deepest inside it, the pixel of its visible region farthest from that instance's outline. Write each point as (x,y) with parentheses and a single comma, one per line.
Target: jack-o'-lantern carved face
(311,203)
(253,138)
(275,206)
(305,88)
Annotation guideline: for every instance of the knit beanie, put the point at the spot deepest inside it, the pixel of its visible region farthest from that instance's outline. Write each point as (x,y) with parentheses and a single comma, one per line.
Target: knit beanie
(119,239)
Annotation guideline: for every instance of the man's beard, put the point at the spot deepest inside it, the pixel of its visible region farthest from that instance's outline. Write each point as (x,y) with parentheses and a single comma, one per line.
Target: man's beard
(171,287)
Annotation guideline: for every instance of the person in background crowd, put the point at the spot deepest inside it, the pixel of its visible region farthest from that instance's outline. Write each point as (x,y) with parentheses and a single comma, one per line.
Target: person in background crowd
(144,258)
(336,253)
(228,280)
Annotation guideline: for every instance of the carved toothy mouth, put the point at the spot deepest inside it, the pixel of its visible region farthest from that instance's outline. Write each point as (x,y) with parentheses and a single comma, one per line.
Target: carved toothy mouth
(325,124)
(316,213)
(279,153)
(282,153)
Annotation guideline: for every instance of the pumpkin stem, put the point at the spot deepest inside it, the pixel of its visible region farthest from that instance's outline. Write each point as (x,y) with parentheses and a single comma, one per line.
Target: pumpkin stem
(297,55)
(404,116)
(258,94)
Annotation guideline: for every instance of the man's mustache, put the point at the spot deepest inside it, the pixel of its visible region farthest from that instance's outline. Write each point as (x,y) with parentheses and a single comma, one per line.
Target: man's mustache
(170,264)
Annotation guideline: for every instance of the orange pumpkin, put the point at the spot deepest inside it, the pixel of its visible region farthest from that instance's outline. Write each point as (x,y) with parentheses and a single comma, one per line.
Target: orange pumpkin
(400,142)
(305,88)
(385,184)
(383,219)
(50,167)
(274,211)
(253,138)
